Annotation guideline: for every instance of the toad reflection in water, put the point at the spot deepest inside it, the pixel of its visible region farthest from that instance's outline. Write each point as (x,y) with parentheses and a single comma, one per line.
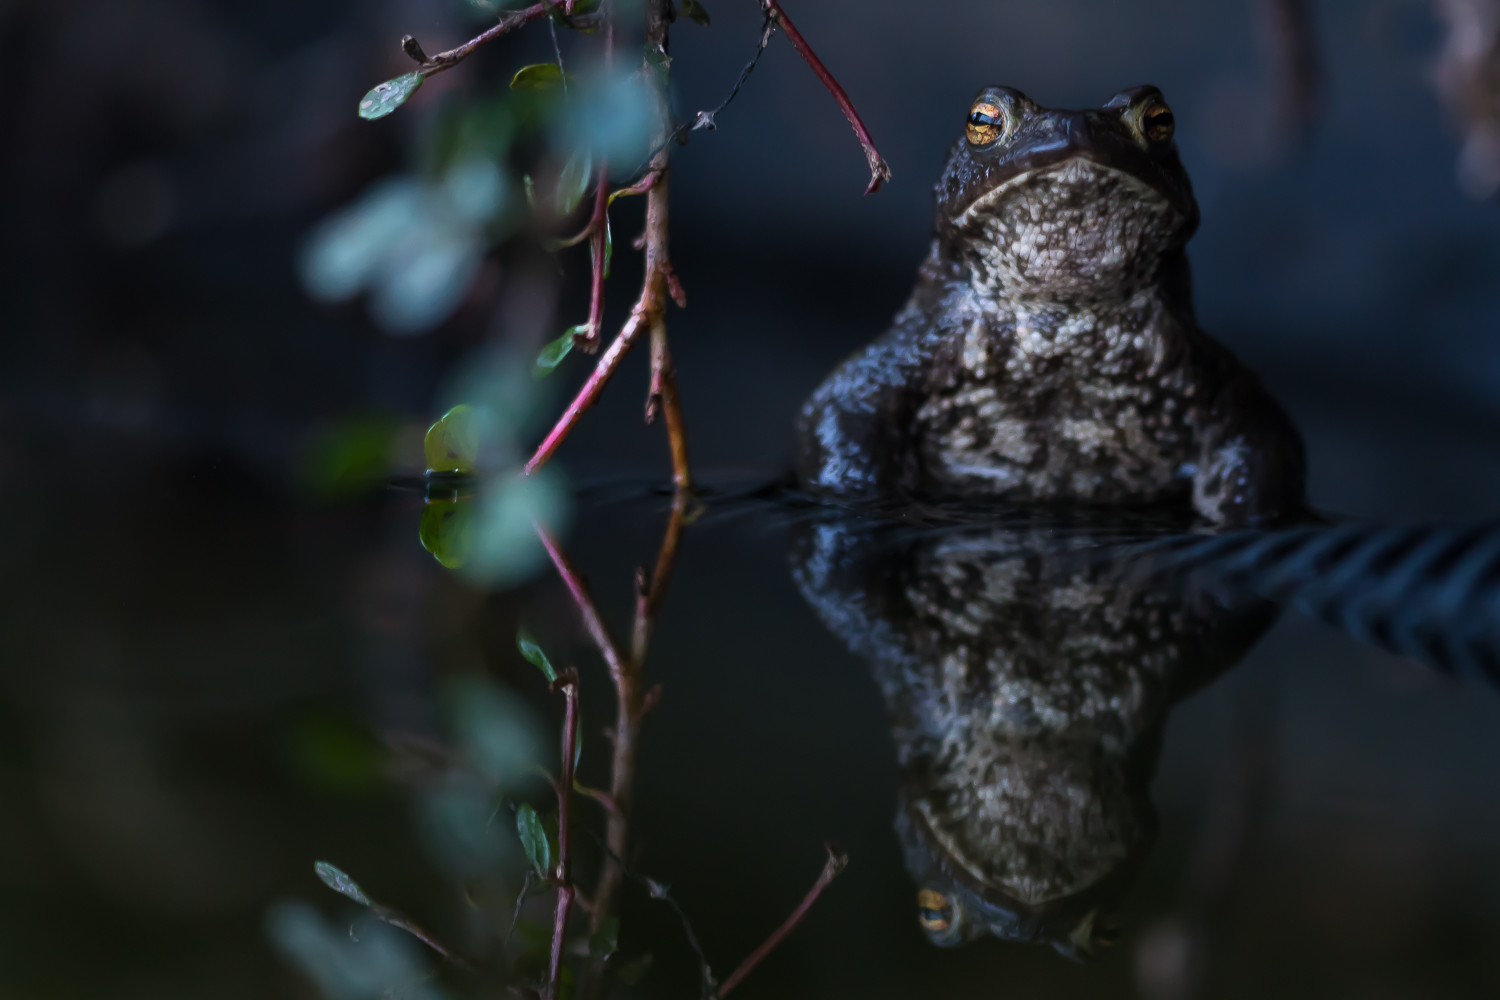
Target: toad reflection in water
(1028,672)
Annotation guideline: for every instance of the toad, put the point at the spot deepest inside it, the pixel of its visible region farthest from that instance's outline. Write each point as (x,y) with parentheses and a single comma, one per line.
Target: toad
(1049,353)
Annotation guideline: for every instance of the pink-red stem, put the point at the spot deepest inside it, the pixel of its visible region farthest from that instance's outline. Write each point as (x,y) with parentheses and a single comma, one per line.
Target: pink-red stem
(879,170)
(831,868)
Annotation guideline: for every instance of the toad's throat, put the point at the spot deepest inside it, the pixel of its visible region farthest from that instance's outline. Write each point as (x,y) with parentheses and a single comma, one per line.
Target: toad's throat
(1076,176)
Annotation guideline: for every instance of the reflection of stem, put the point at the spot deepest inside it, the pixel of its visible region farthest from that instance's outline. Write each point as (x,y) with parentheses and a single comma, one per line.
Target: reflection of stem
(581,597)
(831,868)
(569,686)
(879,169)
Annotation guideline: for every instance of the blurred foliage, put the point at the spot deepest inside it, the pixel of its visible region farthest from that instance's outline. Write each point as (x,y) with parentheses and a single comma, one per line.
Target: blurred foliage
(534,841)
(539,76)
(336,754)
(366,961)
(347,456)
(452,444)
(414,243)
(495,730)
(535,656)
(447,530)
(551,356)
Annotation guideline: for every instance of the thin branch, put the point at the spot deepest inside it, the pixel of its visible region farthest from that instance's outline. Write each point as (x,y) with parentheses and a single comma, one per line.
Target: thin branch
(581,597)
(400,920)
(598,239)
(708,119)
(831,868)
(663,892)
(568,684)
(515,916)
(510,20)
(589,394)
(879,170)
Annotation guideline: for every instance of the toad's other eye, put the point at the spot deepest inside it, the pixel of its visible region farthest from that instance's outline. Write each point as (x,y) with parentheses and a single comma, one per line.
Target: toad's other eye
(986,123)
(1158,123)
(933,908)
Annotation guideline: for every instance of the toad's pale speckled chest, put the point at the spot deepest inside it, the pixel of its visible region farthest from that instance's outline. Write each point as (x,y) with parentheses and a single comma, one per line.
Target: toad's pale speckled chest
(1083,401)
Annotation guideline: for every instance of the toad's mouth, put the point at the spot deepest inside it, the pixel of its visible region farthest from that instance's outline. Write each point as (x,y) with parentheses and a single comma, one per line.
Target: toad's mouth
(1054,189)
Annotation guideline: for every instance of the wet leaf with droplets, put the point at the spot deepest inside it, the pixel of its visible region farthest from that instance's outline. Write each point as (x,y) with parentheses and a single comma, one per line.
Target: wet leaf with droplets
(388,96)
(341,883)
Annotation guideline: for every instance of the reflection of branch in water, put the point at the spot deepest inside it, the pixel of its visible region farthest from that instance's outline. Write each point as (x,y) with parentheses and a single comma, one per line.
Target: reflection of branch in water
(837,859)
(632,705)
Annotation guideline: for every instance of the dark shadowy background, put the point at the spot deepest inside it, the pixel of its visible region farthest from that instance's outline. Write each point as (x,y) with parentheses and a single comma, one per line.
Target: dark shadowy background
(173,603)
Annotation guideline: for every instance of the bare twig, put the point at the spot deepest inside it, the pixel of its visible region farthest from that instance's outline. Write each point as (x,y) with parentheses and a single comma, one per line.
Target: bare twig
(581,597)
(663,892)
(708,119)
(515,916)
(400,920)
(632,704)
(831,868)
(568,685)
(510,20)
(879,170)
(600,225)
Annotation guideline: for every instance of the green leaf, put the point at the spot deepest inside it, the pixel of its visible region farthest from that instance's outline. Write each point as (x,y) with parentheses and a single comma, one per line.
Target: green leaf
(606,940)
(551,355)
(539,76)
(534,655)
(694,10)
(573,182)
(389,96)
(447,530)
(534,840)
(341,883)
(634,970)
(452,444)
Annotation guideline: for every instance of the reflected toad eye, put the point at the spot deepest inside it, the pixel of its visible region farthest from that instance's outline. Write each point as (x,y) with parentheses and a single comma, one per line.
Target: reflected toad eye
(934,910)
(986,123)
(1158,123)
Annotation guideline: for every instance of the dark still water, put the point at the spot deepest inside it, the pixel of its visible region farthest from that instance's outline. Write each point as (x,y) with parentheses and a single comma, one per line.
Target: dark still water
(1063,758)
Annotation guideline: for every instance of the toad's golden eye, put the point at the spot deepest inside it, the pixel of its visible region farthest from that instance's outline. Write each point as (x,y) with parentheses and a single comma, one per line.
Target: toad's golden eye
(1158,123)
(934,910)
(986,122)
